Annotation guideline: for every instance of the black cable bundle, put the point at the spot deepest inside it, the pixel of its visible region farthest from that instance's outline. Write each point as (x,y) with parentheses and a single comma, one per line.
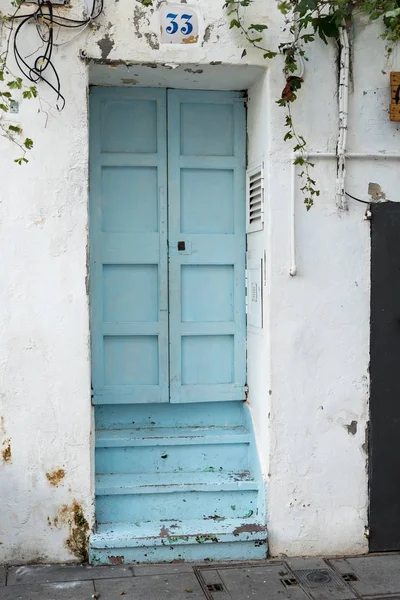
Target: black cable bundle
(44,14)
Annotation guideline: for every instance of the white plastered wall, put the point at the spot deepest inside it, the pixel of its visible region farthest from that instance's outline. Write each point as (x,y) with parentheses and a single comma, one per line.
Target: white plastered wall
(308,368)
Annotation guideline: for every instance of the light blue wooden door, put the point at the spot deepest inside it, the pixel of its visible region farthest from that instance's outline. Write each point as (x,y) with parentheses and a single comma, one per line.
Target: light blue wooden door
(206,236)
(167,282)
(128,252)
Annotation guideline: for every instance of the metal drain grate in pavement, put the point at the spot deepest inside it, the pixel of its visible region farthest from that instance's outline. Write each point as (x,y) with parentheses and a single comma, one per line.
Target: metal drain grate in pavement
(349,577)
(289,582)
(215,587)
(318,578)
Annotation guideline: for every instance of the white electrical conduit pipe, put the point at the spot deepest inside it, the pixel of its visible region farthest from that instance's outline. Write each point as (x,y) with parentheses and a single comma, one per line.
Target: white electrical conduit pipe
(344,77)
(323,155)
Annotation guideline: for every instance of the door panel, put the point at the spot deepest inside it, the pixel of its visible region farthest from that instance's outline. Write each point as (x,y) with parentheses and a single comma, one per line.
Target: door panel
(128,223)
(206,167)
(384,434)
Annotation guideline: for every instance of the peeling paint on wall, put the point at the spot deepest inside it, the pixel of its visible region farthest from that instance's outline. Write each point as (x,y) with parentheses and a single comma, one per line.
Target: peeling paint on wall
(106,44)
(376,192)
(138,15)
(207,34)
(116,560)
(6,450)
(55,477)
(352,428)
(152,41)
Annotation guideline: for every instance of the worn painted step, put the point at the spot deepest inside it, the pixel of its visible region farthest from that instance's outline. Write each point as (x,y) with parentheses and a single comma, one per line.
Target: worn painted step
(196,495)
(171,436)
(159,533)
(172,458)
(172,449)
(228,551)
(132,508)
(220,414)
(160,541)
(164,483)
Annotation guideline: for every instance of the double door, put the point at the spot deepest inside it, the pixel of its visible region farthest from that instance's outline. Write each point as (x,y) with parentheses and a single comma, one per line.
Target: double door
(167,245)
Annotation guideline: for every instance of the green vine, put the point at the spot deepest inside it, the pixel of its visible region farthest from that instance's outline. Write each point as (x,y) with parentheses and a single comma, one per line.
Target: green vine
(306,20)
(9,86)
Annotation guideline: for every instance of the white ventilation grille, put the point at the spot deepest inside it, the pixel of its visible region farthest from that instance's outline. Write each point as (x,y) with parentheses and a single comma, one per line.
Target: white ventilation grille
(255,198)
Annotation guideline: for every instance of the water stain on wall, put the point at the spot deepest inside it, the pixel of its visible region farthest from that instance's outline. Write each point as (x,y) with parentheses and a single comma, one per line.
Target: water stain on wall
(6,450)
(55,477)
(77,541)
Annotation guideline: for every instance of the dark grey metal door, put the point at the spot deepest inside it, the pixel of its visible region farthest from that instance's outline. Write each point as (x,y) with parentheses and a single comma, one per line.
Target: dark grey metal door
(384,446)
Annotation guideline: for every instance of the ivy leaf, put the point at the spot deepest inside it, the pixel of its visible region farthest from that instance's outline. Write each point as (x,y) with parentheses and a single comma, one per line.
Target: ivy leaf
(284,7)
(20,160)
(234,23)
(269,54)
(258,27)
(4,107)
(30,93)
(15,84)
(1,75)
(305,6)
(15,128)
(326,27)
(28,143)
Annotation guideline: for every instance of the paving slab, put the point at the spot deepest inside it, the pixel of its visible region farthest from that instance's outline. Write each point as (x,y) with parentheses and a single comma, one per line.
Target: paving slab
(3,576)
(179,586)
(377,575)
(319,579)
(70,590)
(162,569)
(258,583)
(214,584)
(306,563)
(49,573)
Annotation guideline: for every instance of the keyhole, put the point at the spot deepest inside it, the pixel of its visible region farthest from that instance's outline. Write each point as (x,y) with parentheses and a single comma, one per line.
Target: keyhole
(181,246)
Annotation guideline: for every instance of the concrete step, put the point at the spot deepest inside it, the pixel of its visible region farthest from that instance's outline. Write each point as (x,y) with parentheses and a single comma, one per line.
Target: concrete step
(159,541)
(161,450)
(171,436)
(165,483)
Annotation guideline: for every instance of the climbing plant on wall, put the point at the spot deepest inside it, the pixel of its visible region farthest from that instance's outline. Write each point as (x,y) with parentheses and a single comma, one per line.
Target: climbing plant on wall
(306,20)
(37,66)
(9,85)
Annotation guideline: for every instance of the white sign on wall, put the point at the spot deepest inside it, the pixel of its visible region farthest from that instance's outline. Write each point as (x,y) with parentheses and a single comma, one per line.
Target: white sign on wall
(179,24)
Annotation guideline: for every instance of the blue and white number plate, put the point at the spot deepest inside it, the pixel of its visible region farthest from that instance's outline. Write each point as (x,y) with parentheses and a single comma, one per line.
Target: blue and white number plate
(179,24)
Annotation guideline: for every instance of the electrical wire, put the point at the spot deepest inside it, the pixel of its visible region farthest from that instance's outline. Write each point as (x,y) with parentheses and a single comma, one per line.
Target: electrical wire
(357,199)
(42,67)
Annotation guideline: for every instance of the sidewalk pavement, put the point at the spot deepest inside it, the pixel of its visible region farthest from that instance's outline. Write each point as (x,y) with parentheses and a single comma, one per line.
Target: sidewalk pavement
(374,577)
